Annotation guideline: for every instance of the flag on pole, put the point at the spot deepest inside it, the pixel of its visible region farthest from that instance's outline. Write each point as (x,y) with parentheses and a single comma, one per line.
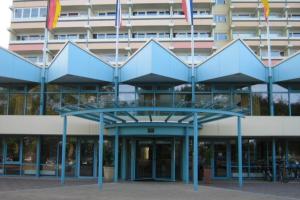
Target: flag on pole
(118,20)
(54,10)
(266,8)
(187,8)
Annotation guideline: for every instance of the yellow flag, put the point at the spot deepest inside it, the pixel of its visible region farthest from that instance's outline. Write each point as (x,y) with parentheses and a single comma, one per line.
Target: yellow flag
(57,13)
(266,8)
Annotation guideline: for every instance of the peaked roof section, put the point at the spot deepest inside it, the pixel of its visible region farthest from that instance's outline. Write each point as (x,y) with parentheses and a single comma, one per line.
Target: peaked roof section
(74,64)
(14,69)
(288,70)
(236,62)
(154,63)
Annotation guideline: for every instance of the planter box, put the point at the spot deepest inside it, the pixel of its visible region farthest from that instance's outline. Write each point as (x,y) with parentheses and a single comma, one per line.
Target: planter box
(108,173)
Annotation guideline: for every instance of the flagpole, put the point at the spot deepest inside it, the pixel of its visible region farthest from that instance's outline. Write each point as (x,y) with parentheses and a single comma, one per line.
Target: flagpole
(270,75)
(43,72)
(116,76)
(193,64)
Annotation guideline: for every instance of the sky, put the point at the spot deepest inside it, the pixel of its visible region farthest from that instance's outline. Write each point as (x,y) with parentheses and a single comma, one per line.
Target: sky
(5,16)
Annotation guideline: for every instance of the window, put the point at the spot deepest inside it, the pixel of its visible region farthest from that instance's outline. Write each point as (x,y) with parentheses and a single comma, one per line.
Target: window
(26,13)
(34,12)
(220,2)
(18,13)
(29,13)
(220,18)
(43,12)
(29,155)
(221,36)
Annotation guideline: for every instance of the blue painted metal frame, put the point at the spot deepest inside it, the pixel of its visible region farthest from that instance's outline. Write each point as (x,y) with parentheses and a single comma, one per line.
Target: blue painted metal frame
(195,155)
(240,153)
(100,151)
(116,155)
(63,159)
(124,159)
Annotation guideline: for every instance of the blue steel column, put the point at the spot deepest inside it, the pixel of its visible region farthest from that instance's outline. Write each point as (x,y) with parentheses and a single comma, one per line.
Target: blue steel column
(173,160)
(240,153)
(38,156)
(274,159)
(100,152)
(133,155)
(195,161)
(154,159)
(185,163)
(116,154)
(63,155)
(124,153)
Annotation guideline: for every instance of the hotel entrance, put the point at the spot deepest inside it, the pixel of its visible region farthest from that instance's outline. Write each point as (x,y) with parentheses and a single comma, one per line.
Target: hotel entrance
(155,159)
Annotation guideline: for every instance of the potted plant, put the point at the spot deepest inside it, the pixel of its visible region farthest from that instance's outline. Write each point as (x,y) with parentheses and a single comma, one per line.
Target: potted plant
(207,165)
(108,161)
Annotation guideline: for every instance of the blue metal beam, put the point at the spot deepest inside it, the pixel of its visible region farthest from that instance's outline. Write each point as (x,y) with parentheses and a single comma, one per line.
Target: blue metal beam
(150,117)
(149,109)
(38,156)
(115,117)
(116,155)
(131,116)
(185,117)
(195,161)
(64,147)
(124,155)
(240,153)
(173,160)
(100,152)
(274,159)
(154,160)
(149,124)
(133,156)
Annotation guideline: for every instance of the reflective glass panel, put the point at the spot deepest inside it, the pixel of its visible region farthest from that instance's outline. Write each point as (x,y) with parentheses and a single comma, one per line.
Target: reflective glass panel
(260,104)
(12,149)
(3,103)
(16,104)
(295,104)
(53,102)
(33,104)
(49,148)
(29,155)
(281,104)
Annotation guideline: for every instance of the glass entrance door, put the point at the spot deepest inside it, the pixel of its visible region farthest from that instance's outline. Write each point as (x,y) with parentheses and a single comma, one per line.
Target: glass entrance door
(163,159)
(86,158)
(144,159)
(220,159)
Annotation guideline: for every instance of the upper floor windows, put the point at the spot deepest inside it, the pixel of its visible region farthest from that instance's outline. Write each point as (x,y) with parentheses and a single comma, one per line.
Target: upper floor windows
(221,36)
(29,37)
(29,13)
(74,36)
(243,15)
(220,2)
(220,18)
(109,35)
(151,13)
(295,34)
(72,14)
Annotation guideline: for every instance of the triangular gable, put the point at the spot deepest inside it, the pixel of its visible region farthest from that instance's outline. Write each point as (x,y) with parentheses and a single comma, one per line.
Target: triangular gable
(14,68)
(152,61)
(236,62)
(78,65)
(288,70)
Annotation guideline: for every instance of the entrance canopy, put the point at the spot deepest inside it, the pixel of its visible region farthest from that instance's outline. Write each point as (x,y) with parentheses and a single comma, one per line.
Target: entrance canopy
(117,116)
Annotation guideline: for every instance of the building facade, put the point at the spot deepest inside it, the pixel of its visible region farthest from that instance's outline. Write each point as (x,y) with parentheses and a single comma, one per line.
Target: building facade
(148,131)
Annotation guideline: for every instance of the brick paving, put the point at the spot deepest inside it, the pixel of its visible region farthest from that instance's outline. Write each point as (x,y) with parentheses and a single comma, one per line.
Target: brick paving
(50,189)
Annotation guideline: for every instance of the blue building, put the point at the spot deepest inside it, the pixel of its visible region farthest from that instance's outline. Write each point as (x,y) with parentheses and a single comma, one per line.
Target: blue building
(148,119)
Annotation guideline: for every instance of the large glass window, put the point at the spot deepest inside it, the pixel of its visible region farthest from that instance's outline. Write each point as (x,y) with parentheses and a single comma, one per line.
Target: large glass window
(295,104)
(3,103)
(281,104)
(164,100)
(221,101)
(70,156)
(242,100)
(53,102)
(1,156)
(16,104)
(12,149)
(29,155)
(260,104)
(49,148)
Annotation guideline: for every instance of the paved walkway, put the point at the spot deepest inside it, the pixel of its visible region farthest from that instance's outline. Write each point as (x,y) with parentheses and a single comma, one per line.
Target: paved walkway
(47,189)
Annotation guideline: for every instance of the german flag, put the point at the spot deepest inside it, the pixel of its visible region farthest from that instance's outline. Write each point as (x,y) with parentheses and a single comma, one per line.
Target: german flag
(266,8)
(54,9)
